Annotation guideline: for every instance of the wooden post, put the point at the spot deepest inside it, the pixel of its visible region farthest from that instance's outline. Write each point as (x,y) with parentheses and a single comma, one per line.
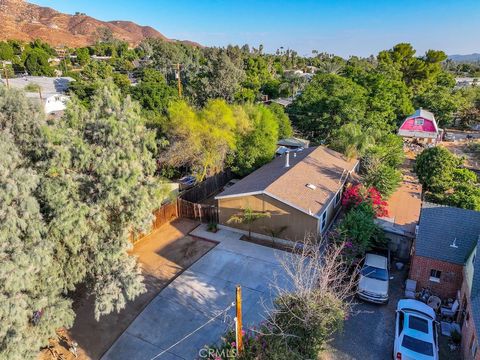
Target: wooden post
(179,82)
(6,74)
(239,320)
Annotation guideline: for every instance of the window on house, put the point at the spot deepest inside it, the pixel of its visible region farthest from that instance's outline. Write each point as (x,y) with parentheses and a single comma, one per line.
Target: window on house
(323,222)
(435,275)
(338,197)
(418,121)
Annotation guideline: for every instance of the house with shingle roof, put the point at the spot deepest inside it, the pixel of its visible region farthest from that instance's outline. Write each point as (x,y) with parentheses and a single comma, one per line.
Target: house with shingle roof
(444,261)
(300,190)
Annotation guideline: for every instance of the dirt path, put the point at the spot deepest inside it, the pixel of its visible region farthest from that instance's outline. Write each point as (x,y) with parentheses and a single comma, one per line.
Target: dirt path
(163,255)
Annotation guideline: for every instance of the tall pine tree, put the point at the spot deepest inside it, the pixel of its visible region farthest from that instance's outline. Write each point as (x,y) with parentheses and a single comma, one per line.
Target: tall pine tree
(99,186)
(31,303)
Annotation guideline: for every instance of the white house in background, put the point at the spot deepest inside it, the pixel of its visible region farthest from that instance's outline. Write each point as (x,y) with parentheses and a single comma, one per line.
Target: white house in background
(462,82)
(56,103)
(51,91)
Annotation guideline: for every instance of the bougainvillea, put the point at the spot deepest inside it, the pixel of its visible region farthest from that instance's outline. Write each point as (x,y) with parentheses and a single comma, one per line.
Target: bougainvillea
(358,194)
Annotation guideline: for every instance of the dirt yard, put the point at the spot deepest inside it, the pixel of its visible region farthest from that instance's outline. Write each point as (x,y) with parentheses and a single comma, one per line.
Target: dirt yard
(163,255)
(470,149)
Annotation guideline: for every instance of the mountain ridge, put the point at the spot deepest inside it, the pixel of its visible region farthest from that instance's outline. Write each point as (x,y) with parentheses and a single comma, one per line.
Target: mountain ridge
(465,58)
(21,20)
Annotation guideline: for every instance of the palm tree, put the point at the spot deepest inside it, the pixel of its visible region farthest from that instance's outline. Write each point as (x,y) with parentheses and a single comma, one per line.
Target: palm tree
(247,217)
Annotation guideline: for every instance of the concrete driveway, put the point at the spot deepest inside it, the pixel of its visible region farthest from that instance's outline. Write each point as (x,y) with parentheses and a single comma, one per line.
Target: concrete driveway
(201,292)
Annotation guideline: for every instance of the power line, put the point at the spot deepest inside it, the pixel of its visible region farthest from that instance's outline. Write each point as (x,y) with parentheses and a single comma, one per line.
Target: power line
(194,331)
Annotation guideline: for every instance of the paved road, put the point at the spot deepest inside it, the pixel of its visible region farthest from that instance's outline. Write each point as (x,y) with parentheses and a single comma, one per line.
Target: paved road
(460,135)
(197,295)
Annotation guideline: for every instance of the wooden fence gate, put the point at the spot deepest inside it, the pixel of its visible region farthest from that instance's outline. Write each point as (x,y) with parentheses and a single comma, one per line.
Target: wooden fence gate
(201,212)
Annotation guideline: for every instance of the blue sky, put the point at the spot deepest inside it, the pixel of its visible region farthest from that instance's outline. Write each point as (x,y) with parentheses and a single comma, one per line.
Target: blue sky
(343,27)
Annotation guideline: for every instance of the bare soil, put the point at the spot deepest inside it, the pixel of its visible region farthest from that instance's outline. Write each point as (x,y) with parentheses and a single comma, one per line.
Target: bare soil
(466,149)
(163,255)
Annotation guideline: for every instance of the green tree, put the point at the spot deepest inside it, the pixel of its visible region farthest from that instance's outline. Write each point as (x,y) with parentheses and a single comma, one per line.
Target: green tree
(248,217)
(22,118)
(98,187)
(257,145)
(442,101)
(435,168)
(83,56)
(36,62)
(380,175)
(465,195)
(284,125)
(153,92)
(33,306)
(359,226)
(201,139)
(218,78)
(327,103)
(352,140)
(6,51)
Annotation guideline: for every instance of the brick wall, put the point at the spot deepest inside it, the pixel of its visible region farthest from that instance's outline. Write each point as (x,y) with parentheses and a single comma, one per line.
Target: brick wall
(469,335)
(450,279)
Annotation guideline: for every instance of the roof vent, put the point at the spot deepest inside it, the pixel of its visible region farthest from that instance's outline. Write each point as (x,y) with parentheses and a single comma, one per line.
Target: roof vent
(287,159)
(311,186)
(454,244)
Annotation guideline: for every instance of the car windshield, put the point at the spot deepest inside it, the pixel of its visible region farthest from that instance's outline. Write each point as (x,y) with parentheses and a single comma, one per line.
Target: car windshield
(419,346)
(375,273)
(418,324)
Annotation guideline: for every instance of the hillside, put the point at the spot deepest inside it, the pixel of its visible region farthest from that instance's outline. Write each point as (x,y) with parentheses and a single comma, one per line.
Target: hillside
(24,21)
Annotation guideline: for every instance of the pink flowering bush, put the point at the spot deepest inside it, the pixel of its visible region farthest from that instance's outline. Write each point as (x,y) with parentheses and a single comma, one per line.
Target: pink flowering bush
(359,194)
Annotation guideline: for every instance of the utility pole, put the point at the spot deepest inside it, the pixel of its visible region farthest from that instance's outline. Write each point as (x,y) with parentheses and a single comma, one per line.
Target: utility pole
(6,74)
(179,81)
(238,320)
(40,93)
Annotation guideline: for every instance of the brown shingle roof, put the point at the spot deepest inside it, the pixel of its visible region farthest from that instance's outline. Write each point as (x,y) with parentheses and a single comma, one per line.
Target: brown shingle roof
(319,166)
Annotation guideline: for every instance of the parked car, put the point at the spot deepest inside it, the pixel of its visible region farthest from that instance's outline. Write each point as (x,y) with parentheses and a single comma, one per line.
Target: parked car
(449,137)
(416,336)
(187,182)
(374,278)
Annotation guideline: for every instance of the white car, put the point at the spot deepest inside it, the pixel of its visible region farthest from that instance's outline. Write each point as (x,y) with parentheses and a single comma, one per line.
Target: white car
(416,335)
(373,281)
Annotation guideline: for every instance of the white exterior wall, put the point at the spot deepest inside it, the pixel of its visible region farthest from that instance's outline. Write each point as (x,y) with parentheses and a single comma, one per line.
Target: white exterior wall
(56,103)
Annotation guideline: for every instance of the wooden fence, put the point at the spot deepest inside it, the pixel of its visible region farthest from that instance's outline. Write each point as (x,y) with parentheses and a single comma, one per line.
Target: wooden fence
(201,212)
(208,187)
(164,214)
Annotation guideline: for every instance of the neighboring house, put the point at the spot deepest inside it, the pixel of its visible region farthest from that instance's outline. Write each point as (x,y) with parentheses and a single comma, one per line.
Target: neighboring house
(300,190)
(444,261)
(445,239)
(421,126)
(469,314)
(281,101)
(55,103)
(291,144)
(51,91)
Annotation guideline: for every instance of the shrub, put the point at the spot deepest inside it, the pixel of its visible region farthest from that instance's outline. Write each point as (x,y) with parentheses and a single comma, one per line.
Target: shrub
(381,176)
(360,229)
(358,194)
